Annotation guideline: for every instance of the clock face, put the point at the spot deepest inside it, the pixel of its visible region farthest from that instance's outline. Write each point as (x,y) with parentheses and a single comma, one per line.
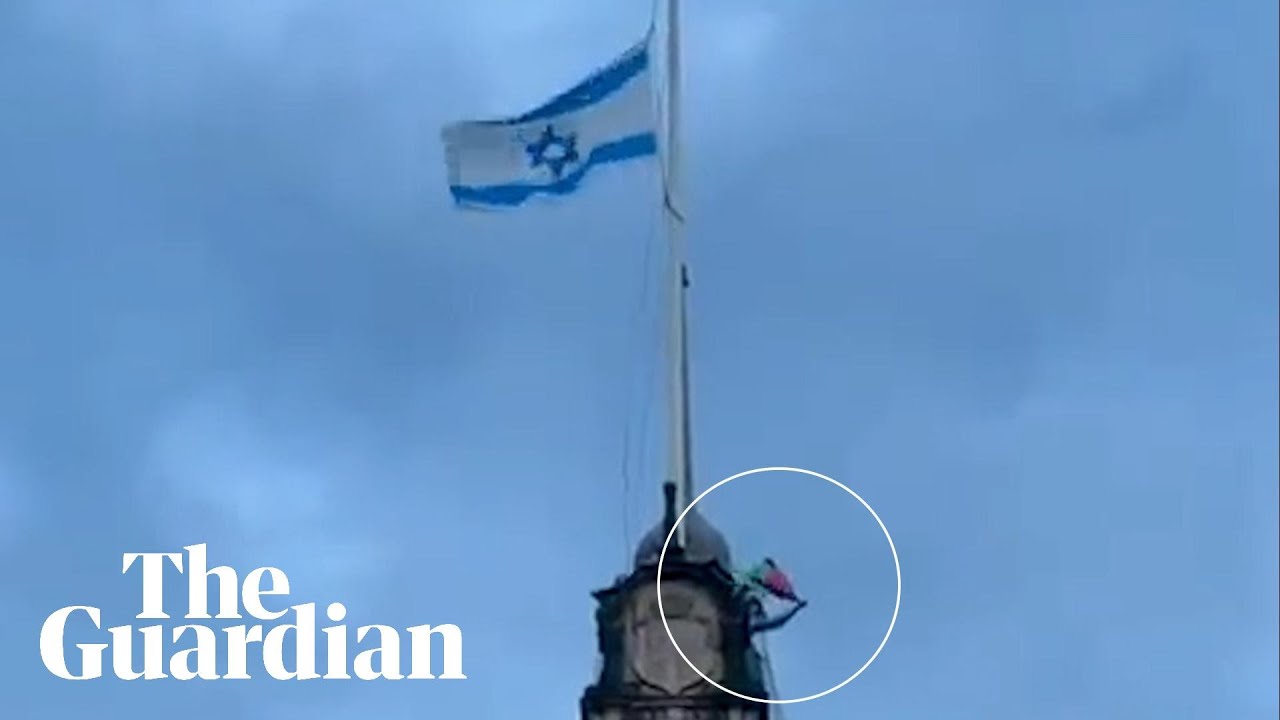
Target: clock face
(695,625)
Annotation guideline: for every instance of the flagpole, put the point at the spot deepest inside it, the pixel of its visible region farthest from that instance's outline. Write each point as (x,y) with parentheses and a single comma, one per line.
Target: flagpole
(677,346)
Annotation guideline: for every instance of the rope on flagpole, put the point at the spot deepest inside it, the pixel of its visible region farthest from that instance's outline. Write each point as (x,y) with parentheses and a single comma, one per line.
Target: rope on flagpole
(667,208)
(643,367)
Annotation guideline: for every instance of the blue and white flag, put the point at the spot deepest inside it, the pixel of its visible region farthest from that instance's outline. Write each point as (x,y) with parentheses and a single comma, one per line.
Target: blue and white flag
(607,118)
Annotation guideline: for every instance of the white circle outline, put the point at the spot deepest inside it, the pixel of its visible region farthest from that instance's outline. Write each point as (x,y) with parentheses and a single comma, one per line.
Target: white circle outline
(897,601)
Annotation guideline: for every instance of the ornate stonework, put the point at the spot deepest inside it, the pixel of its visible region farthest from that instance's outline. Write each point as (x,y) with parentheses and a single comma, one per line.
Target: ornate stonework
(642,676)
(652,660)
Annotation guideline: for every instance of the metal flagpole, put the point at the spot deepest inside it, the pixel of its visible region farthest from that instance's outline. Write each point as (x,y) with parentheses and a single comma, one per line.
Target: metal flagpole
(677,348)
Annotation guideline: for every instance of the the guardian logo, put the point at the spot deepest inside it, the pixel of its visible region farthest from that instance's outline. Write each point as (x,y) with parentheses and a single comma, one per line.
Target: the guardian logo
(201,646)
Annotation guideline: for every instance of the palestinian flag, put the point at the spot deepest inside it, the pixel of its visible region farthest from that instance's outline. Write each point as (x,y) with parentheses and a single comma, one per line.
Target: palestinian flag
(769,576)
(777,582)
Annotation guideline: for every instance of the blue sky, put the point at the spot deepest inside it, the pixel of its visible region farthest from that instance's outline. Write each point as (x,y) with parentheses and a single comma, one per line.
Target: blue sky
(1007,270)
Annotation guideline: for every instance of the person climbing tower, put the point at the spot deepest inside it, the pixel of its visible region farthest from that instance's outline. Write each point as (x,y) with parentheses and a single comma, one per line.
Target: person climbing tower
(763,580)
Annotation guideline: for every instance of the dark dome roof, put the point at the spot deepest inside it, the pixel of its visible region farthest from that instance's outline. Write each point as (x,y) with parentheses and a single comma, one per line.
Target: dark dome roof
(703,543)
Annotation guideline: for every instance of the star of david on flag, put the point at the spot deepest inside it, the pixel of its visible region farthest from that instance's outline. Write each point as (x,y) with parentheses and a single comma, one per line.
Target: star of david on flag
(555,151)
(607,118)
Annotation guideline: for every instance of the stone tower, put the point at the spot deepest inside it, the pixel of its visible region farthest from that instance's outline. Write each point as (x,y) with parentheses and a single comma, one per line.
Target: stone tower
(642,677)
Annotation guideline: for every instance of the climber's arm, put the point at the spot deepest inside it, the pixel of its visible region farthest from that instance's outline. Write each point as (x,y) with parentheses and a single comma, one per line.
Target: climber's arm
(767,624)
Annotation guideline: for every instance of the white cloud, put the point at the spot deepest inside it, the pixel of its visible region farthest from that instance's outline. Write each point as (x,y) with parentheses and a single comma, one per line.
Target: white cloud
(220,472)
(13,506)
(737,41)
(253,30)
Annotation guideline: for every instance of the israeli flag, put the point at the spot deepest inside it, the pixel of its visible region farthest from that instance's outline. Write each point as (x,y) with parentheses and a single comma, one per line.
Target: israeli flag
(607,118)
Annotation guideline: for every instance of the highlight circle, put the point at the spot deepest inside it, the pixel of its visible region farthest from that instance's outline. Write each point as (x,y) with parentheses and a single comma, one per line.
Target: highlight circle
(897,601)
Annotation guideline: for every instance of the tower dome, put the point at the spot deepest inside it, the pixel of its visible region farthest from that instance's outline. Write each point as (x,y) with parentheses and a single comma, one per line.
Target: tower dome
(703,543)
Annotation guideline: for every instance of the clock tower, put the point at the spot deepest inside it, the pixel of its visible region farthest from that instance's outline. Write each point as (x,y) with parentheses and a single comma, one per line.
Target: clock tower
(642,677)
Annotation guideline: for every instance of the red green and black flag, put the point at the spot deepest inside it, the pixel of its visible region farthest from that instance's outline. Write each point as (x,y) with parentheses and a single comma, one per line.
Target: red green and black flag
(770,577)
